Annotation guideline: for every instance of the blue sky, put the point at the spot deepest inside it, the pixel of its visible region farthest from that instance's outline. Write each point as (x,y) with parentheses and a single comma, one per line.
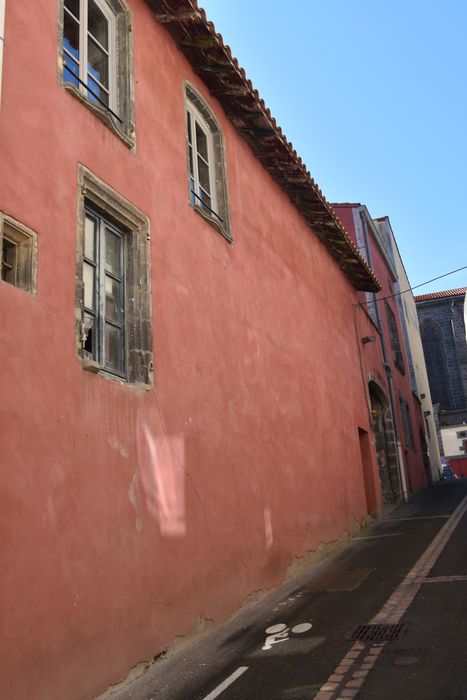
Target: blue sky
(373,96)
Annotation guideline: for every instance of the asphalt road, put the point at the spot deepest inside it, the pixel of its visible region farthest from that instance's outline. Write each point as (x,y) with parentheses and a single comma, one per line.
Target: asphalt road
(407,573)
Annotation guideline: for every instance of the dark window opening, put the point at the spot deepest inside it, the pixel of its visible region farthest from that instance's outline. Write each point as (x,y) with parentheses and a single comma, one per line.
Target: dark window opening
(397,355)
(17,254)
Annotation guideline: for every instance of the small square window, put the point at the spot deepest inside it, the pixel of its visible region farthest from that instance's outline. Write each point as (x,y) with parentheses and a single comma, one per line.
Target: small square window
(18,254)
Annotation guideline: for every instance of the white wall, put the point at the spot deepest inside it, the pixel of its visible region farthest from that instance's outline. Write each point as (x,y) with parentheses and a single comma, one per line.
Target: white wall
(453,445)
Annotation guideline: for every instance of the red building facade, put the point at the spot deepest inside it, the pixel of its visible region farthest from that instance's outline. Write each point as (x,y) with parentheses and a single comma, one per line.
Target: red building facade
(184,419)
(401,439)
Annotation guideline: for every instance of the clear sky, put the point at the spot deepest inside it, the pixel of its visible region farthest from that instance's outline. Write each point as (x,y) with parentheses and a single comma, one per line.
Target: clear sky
(373,96)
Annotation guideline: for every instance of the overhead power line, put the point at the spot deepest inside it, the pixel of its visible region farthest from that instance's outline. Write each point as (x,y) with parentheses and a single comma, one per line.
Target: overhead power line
(422,284)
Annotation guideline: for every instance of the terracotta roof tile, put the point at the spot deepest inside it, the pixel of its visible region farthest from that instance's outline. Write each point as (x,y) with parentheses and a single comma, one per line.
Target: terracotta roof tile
(212,60)
(442,295)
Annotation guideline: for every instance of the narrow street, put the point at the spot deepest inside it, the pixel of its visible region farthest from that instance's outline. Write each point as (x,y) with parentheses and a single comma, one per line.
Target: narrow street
(407,573)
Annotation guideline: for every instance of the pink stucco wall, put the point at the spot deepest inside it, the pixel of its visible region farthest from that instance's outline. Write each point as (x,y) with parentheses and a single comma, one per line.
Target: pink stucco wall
(128,514)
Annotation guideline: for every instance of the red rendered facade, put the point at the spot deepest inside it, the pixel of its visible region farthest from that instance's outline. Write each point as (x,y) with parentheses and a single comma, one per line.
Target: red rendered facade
(130,513)
(411,448)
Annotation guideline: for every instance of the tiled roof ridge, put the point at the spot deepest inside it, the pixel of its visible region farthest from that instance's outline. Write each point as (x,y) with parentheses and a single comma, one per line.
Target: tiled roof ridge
(441,295)
(195,35)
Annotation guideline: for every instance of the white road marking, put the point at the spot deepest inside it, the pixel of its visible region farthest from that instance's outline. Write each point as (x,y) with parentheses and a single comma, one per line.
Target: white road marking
(377,537)
(349,676)
(274,629)
(225,684)
(444,579)
(280,633)
(415,517)
(302,627)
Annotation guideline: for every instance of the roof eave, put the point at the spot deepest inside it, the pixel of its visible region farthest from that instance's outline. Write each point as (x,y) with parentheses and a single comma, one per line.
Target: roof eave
(212,60)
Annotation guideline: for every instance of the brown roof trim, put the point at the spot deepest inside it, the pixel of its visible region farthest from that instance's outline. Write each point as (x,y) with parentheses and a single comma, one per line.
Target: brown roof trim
(460,291)
(212,60)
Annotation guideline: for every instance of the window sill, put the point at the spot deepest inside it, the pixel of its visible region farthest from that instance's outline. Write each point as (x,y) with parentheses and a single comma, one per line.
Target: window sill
(103,116)
(214,223)
(90,366)
(94,367)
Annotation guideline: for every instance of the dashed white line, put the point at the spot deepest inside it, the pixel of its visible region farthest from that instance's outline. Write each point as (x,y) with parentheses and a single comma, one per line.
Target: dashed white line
(444,579)
(225,684)
(377,537)
(414,517)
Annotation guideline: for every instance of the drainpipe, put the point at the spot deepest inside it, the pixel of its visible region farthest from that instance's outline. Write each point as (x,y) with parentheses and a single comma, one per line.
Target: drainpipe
(2,40)
(399,458)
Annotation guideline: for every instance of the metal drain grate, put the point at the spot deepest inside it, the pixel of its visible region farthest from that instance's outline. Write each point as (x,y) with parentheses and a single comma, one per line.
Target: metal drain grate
(378,633)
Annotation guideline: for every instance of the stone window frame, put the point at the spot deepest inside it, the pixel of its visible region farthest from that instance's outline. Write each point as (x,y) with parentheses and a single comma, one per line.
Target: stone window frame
(25,240)
(95,193)
(193,97)
(407,422)
(124,74)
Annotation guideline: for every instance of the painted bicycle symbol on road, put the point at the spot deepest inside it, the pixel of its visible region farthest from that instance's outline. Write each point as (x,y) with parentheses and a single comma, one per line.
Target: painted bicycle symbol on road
(280,633)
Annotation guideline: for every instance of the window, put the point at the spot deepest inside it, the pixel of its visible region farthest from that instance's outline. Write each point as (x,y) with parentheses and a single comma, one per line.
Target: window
(103,293)
(18,254)
(113,284)
(206,168)
(201,170)
(89,49)
(406,422)
(97,57)
(397,356)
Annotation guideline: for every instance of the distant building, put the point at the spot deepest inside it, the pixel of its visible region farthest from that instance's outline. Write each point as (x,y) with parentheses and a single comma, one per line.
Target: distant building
(442,329)
(415,357)
(400,437)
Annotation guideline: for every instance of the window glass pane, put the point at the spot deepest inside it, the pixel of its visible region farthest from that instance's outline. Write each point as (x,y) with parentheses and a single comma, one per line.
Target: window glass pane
(113,337)
(89,336)
(89,238)
(73,6)
(192,190)
(9,263)
(203,172)
(205,198)
(88,281)
(94,90)
(98,63)
(201,142)
(190,153)
(188,122)
(112,299)
(70,70)
(71,35)
(112,252)
(98,25)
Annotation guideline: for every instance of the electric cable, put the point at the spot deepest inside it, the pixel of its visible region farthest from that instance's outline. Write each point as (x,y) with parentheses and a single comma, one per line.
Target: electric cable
(410,289)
